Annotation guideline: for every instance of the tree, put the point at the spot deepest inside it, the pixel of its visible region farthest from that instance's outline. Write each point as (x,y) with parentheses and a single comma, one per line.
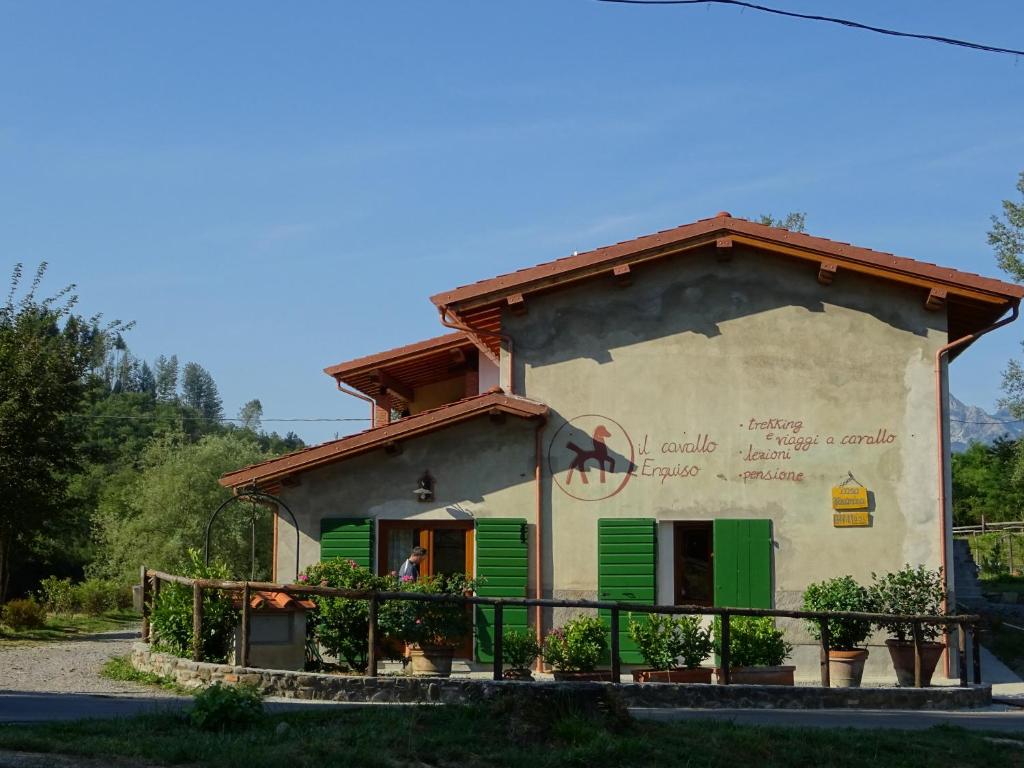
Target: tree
(987,483)
(1007,235)
(199,391)
(156,514)
(146,381)
(794,221)
(46,350)
(166,377)
(250,415)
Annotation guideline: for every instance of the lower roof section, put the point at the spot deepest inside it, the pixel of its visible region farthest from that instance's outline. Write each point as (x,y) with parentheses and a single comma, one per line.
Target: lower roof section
(274,470)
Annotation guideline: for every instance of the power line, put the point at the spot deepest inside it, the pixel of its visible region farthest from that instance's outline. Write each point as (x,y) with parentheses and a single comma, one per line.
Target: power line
(830,20)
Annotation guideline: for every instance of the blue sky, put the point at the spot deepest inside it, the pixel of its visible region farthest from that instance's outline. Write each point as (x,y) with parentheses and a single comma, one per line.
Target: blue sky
(268,188)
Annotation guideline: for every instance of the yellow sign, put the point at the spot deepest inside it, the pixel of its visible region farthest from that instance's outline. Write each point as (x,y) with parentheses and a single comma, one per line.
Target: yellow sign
(849,497)
(851,519)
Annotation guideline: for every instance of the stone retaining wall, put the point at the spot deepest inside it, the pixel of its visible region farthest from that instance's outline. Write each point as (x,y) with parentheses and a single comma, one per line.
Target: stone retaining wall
(402,689)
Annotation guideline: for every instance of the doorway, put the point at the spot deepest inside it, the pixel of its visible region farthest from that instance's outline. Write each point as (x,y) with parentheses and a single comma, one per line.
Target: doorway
(693,563)
(450,546)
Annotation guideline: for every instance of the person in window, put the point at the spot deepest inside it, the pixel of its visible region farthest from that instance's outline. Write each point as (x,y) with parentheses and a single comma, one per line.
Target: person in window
(410,570)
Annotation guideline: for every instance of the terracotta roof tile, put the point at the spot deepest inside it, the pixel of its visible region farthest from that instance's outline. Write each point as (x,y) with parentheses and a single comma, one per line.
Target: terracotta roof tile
(265,600)
(376,437)
(703,231)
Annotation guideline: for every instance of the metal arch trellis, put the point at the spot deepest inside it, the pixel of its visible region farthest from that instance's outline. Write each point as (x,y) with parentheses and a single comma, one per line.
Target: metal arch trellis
(254,495)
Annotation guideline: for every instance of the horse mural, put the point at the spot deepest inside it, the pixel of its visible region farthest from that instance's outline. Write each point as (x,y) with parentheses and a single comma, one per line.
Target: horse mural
(598,453)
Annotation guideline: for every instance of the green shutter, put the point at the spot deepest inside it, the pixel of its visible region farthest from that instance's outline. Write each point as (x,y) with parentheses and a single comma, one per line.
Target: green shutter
(349,538)
(502,571)
(626,562)
(743,563)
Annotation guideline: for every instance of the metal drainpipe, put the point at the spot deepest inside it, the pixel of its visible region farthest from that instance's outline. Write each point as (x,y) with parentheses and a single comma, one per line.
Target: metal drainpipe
(538,540)
(509,344)
(941,353)
(361,396)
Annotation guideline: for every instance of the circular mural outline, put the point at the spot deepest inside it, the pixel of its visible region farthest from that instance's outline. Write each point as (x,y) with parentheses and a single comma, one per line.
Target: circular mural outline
(582,456)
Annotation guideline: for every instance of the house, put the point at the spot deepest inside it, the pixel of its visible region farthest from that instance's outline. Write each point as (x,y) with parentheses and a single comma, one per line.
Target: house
(716,414)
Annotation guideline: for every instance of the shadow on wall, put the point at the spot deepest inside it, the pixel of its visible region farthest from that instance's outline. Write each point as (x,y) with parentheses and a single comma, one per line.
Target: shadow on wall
(667,298)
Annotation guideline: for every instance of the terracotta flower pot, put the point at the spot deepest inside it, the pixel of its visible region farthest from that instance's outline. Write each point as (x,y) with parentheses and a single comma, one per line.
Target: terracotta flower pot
(518,673)
(846,668)
(758,675)
(432,661)
(902,654)
(695,675)
(598,675)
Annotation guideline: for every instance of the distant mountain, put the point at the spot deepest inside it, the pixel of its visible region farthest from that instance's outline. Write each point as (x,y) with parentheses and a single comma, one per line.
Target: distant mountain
(969,424)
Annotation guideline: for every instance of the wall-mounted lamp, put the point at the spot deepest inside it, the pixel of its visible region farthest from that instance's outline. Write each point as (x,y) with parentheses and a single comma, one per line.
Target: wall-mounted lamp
(425,487)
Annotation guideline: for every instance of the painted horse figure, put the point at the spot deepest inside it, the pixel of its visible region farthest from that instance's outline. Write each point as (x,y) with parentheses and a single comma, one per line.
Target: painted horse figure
(598,453)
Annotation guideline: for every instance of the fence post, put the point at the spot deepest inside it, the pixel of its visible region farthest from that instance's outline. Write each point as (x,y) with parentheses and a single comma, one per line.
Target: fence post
(976,653)
(371,651)
(961,641)
(616,661)
(916,630)
(243,654)
(154,589)
(499,631)
(724,675)
(197,622)
(826,672)
(144,580)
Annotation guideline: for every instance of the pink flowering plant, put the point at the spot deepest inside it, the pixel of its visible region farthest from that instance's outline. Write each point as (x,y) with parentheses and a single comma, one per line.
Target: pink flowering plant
(429,624)
(341,624)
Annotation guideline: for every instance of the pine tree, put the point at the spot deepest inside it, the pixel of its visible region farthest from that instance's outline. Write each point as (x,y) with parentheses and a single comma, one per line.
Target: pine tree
(199,391)
(166,378)
(145,380)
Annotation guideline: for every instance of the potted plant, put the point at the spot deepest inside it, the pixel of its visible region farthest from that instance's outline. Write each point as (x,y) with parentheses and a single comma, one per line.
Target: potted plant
(575,649)
(911,591)
(757,649)
(432,630)
(519,649)
(673,647)
(845,658)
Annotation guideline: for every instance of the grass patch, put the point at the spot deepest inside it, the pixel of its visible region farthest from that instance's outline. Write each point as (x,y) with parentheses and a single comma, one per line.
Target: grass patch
(68,628)
(375,737)
(120,668)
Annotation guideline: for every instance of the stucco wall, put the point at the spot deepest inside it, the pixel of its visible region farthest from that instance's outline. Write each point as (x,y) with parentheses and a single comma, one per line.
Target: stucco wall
(480,467)
(703,354)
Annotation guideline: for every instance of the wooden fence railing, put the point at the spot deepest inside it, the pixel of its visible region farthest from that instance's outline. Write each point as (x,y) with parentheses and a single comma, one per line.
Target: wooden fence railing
(964,622)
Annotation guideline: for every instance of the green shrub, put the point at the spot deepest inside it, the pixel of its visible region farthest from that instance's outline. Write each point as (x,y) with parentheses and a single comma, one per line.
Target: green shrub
(227,707)
(578,646)
(754,641)
(341,625)
(909,591)
(57,595)
(24,614)
(95,596)
(665,641)
(519,648)
(839,594)
(429,623)
(171,619)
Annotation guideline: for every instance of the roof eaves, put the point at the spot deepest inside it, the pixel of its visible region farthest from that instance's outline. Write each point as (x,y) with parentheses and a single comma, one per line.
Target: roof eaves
(702,232)
(370,439)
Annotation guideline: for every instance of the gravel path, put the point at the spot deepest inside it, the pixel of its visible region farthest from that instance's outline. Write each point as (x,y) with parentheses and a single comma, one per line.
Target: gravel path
(69,667)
